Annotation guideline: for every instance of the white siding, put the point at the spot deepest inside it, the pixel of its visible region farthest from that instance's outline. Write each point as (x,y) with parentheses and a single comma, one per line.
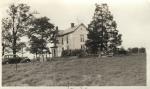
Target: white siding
(73,39)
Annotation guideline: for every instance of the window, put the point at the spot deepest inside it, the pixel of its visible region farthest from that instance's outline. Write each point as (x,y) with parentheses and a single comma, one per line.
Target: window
(81,38)
(62,40)
(68,47)
(67,39)
(63,49)
(82,46)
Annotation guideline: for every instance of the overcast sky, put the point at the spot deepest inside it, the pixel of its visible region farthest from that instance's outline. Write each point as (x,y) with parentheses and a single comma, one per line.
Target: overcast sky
(132,16)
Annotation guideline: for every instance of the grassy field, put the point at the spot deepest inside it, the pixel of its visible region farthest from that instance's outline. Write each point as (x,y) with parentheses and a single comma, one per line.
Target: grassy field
(108,71)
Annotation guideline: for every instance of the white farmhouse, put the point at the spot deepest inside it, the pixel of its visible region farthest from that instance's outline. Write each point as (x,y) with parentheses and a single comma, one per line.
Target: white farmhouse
(71,38)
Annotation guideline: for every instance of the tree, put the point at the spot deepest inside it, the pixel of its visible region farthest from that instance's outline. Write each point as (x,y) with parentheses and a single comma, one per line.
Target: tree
(54,40)
(6,37)
(40,34)
(33,46)
(135,50)
(142,50)
(122,51)
(21,46)
(37,46)
(15,25)
(103,36)
(54,36)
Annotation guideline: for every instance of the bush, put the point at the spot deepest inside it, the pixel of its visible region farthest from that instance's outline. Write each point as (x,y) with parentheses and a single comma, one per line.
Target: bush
(135,50)
(122,51)
(142,50)
(25,61)
(76,52)
(14,60)
(65,53)
(48,59)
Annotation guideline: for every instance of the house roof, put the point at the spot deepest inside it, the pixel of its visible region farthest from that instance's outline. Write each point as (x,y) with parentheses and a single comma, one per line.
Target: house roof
(69,30)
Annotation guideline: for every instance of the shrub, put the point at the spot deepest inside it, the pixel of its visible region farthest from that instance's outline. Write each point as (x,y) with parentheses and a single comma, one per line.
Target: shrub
(65,53)
(122,51)
(14,60)
(76,52)
(135,50)
(142,50)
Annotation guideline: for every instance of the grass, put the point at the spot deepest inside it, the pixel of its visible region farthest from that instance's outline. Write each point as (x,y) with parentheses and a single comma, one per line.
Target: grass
(108,71)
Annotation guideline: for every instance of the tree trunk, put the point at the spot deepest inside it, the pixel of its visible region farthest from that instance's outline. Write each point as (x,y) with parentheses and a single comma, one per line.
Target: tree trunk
(54,53)
(36,56)
(14,41)
(46,56)
(14,51)
(3,50)
(49,56)
(100,55)
(43,57)
(14,47)
(22,51)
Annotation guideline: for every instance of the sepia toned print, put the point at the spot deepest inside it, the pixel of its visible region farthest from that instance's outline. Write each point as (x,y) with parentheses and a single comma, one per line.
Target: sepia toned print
(78,49)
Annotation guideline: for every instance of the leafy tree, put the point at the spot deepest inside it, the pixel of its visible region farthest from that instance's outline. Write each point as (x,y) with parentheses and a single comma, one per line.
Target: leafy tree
(54,36)
(6,37)
(15,25)
(135,50)
(142,50)
(40,34)
(54,40)
(33,46)
(103,36)
(21,46)
(130,50)
(37,45)
(122,51)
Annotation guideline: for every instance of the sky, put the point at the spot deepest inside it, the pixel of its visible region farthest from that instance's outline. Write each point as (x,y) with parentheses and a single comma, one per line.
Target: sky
(132,16)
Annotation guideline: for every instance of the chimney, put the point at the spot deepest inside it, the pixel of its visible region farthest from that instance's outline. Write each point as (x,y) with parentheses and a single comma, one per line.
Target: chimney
(72,25)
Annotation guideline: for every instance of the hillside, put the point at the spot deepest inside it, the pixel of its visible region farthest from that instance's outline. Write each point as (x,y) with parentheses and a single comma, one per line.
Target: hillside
(108,71)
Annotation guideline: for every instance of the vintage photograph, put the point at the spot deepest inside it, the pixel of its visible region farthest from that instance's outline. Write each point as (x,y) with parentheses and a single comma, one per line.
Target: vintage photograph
(74,42)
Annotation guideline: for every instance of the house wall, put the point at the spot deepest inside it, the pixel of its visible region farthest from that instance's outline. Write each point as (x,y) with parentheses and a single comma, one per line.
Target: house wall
(74,40)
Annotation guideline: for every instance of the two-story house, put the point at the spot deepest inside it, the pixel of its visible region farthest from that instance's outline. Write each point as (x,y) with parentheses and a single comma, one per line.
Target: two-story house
(71,38)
